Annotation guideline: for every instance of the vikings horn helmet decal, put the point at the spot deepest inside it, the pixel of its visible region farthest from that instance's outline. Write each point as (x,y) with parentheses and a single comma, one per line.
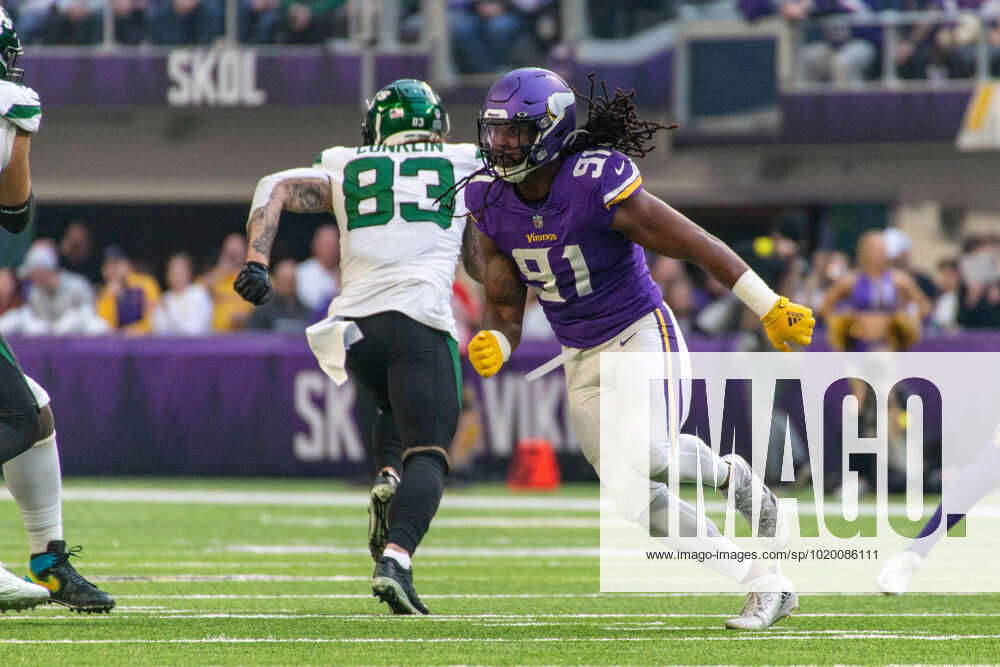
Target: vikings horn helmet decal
(525,122)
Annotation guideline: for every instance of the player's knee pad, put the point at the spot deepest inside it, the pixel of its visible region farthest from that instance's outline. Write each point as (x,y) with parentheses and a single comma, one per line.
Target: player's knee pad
(433,451)
(18,429)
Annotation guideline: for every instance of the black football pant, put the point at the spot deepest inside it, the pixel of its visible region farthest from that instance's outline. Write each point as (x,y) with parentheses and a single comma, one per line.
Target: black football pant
(411,371)
(18,409)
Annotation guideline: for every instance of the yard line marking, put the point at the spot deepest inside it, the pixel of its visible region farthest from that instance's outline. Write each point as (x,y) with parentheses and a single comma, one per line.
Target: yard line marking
(355,499)
(491,596)
(483,552)
(498,616)
(192,578)
(284,498)
(150,565)
(446,522)
(758,636)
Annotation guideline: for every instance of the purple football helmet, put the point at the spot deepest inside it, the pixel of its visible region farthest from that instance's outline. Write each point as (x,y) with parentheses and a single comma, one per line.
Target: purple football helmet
(527,119)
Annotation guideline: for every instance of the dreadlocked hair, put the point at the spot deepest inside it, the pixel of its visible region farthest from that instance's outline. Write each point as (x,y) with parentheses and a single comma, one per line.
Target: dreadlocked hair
(612,122)
(460,185)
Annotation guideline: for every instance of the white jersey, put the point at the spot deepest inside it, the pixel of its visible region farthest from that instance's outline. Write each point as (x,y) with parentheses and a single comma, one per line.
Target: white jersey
(20,109)
(398,249)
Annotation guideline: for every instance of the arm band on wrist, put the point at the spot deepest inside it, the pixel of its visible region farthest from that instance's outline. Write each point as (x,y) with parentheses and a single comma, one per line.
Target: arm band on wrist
(755,293)
(15,218)
(504,344)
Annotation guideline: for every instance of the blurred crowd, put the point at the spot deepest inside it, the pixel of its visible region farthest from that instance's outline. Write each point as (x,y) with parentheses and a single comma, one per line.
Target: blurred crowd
(844,42)
(485,32)
(137,22)
(867,296)
(71,287)
(487,36)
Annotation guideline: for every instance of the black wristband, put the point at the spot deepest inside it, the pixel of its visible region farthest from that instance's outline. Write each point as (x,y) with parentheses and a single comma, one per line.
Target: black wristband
(15,218)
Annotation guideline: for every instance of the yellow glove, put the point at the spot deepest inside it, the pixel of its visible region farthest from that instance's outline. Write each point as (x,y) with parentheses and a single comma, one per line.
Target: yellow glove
(486,353)
(788,322)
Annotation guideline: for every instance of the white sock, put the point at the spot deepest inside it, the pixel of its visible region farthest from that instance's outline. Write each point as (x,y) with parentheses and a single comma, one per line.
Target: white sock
(400,557)
(734,569)
(35,481)
(698,463)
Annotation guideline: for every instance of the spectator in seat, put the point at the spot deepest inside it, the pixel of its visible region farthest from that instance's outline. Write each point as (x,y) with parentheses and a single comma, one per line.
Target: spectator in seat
(915,43)
(130,21)
(283,312)
(666,271)
(58,302)
(33,18)
(944,316)
(186,307)
(10,297)
(128,298)
(979,293)
(957,42)
(311,21)
(899,249)
(260,20)
(679,295)
(76,22)
(723,312)
(77,252)
(186,21)
(483,33)
(827,268)
(613,19)
(843,54)
(230,310)
(318,278)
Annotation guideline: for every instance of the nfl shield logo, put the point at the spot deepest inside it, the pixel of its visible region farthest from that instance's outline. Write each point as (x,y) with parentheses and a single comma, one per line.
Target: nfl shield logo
(537,219)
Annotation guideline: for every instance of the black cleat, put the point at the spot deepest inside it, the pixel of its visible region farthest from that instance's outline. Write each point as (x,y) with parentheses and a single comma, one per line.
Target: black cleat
(378,513)
(53,570)
(393,584)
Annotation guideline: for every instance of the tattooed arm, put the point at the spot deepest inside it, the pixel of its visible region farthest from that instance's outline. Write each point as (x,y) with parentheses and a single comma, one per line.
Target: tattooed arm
(472,254)
(297,190)
(505,293)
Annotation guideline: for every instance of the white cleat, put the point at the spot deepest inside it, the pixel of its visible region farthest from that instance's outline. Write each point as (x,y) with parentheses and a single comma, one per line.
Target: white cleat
(894,577)
(771,522)
(773,599)
(16,593)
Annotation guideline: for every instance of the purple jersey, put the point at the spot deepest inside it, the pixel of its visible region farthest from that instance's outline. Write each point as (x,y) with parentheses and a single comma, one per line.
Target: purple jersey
(591,281)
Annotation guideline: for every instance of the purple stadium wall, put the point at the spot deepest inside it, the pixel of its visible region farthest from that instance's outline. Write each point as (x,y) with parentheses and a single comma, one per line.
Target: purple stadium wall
(259,405)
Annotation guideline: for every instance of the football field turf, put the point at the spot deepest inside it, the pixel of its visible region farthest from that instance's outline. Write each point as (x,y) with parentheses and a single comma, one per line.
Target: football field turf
(255,572)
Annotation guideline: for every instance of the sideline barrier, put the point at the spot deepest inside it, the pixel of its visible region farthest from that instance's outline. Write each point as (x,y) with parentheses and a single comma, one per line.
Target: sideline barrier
(259,405)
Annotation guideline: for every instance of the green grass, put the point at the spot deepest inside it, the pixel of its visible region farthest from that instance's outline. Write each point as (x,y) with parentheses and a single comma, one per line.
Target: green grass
(187,594)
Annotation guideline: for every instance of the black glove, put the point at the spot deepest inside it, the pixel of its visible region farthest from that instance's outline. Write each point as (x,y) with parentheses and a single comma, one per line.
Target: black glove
(253,283)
